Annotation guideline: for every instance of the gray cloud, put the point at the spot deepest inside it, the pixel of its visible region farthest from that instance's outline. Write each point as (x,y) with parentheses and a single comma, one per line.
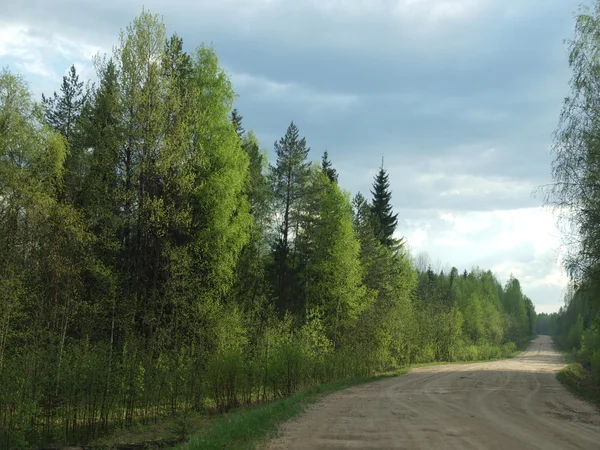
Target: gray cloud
(460,96)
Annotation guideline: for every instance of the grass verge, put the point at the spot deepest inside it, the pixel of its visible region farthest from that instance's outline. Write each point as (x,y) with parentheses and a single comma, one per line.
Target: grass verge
(579,381)
(247,428)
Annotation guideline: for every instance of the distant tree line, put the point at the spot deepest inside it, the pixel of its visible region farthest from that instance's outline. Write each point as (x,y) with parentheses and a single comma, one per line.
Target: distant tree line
(153,261)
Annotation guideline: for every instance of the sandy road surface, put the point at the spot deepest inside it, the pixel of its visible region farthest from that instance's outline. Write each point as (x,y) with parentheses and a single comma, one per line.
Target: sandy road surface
(511,404)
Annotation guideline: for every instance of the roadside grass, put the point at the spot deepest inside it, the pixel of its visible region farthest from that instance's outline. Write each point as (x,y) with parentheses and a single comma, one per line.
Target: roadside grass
(250,427)
(578,380)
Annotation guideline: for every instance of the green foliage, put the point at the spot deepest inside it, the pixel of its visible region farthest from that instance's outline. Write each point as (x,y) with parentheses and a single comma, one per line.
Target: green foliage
(575,333)
(328,254)
(574,196)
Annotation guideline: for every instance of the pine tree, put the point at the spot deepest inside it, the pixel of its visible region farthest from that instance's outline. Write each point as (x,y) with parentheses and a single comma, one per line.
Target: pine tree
(62,110)
(328,168)
(290,176)
(384,221)
(63,113)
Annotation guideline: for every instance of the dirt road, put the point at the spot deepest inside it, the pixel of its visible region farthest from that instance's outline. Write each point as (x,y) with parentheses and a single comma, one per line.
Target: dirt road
(511,404)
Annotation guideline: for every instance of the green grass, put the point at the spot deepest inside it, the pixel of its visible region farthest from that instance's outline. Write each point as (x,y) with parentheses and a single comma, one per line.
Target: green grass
(580,382)
(248,428)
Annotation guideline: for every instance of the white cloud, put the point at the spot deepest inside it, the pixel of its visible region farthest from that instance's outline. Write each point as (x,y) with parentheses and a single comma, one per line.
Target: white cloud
(468,223)
(28,51)
(416,239)
(36,53)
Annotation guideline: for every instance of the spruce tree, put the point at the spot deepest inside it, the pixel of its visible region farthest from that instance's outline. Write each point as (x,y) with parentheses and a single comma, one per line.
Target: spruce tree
(236,120)
(328,168)
(384,221)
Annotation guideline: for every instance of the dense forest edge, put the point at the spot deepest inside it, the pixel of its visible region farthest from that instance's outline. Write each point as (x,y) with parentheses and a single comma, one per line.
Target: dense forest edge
(153,262)
(573,196)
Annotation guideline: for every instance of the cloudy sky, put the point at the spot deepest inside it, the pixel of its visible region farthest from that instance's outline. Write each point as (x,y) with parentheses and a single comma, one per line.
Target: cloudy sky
(459,96)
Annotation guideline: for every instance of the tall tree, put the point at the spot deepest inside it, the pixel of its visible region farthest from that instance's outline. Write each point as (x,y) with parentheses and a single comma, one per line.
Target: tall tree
(251,287)
(62,110)
(290,176)
(387,275)
(384,220)
(329,257)
(139,57)
(373,255)
(103,199)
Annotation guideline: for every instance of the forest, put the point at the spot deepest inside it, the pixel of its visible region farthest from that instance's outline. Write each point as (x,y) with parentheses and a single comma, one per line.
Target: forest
(154,261)
(573,195)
